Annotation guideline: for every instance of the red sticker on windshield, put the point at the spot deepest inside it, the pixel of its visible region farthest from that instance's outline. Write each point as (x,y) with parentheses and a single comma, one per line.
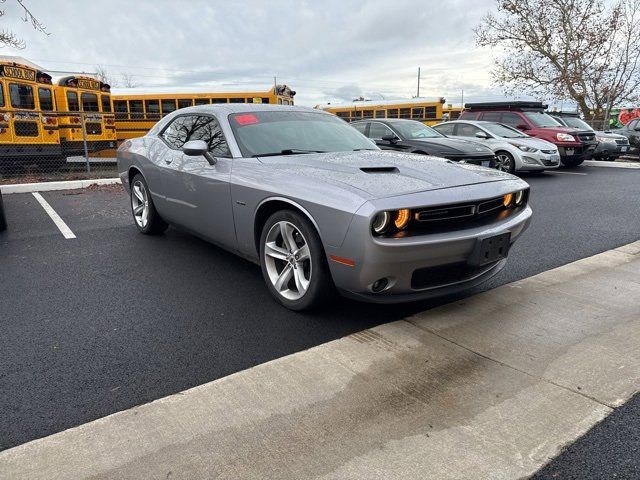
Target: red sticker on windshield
(247,119)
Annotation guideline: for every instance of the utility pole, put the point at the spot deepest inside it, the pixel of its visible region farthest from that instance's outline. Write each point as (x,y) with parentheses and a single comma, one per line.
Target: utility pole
(418,94)
(462,99)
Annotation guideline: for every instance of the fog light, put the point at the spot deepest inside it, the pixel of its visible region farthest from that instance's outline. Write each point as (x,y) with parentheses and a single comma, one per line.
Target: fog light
(379,285)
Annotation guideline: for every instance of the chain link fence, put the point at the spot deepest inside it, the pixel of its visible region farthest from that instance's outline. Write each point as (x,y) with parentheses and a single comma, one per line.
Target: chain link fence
(40,146)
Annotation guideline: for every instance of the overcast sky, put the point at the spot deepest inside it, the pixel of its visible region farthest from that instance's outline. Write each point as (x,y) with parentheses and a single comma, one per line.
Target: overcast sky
(329,50)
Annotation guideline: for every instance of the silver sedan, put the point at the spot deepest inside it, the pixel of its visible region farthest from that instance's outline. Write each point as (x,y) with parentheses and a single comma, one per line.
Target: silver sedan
(319,206)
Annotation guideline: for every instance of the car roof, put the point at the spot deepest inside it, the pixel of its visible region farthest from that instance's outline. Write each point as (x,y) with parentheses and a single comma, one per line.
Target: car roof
(386,120)
(228,108)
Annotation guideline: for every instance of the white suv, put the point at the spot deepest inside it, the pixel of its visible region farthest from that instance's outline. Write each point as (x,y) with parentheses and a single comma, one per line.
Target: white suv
(515,151)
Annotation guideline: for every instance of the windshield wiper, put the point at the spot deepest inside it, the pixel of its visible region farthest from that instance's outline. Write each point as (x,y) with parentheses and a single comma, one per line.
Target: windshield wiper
(287,151)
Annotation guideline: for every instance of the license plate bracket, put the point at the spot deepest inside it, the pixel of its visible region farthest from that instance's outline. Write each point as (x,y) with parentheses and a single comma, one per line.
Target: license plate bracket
(490,249)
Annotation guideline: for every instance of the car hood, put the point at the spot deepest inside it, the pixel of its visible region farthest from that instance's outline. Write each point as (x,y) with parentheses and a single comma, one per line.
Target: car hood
(447,145)
(380,173)
(531,142)
(609,134)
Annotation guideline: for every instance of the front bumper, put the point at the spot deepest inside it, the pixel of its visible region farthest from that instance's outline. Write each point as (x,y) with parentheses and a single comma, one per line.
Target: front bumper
(398,260)
(538,161)
(579,151)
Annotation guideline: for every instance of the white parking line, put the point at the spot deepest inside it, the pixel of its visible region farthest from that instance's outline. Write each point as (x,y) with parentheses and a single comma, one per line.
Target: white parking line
(64,229)
(567,173)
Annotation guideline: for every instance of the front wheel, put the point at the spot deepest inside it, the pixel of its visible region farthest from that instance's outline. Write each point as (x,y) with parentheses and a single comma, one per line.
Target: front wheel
(144,211)
(505,162)
(293,262)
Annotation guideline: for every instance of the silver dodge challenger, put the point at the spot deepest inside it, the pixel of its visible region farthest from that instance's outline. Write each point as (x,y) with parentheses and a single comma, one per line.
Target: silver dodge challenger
(319,207)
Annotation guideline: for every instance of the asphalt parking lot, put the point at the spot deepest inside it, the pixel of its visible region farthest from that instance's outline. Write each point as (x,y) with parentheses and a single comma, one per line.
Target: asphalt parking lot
(112,319)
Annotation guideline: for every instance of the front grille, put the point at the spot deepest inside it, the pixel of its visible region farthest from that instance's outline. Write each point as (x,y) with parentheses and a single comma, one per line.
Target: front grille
(431,277)
(549,163)
(446,213)
(549,152)
(93,128)
(490,205)
(26,129)
(587,137)
(622,141)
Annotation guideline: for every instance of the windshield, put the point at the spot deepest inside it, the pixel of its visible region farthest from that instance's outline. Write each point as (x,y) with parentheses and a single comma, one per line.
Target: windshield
(576,122)
(541,119)
(503,131)
(412,129)
(295,132)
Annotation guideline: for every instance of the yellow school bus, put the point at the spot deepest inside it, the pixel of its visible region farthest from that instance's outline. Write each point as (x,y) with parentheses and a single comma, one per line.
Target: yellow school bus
(138,109)
(426,110)
(28,125)
(85,100)
(451,112)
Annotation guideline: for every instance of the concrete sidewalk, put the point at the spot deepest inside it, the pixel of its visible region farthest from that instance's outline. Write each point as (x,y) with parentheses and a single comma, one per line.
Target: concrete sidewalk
(488,387)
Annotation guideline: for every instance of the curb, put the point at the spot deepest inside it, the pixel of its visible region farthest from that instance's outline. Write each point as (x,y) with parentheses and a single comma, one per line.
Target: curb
(599,163)
(63,185)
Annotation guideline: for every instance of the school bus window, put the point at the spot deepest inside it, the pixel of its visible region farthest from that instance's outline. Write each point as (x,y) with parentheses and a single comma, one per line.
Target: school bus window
(218,100)
(265,100)
(152,106)
(120,106)
(72,102)
(380,114)
(21,96)
(1,95)
(454,114)
(405,113)
(417,112)
(202,101)
(367,114)
(135,108)
(236,100)
(184,102)
(106,103)
(343,115)
(46,100)
(432,112)
(89,102)
(168,106)
(392,113)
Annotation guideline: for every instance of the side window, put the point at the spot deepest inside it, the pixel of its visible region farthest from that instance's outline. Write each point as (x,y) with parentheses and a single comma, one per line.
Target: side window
(168,106)
(192,127)
(361,127)
(405,113)
(236,100)
(381,113)
(46,101)
(417,113)
(367,114)
(136,108)
(392,113)
(1,95)
(632,124)
(512,119)
(184,102)
(202,101)
(445,128)
(72,101)
(120,107)
(89,102)
(466,130)
(378,130)
(491,116)
(152,108)
(218,100)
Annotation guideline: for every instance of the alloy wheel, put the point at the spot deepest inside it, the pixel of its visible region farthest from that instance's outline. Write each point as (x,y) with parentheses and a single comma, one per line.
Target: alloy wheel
(287,260)
(503,163)
(140,204)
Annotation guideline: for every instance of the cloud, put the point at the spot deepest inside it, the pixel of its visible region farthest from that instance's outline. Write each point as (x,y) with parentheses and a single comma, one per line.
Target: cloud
(327,51)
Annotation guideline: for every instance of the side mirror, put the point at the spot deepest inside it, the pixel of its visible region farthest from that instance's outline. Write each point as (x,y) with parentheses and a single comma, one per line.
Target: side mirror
(522,127)
(482,135)
(390,138)
(196,148)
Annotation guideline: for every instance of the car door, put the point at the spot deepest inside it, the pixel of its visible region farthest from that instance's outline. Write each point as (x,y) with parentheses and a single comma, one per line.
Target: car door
(198,194)
(634,135)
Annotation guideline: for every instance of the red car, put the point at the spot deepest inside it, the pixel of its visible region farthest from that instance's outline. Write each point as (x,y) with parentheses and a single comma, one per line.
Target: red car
(575,146)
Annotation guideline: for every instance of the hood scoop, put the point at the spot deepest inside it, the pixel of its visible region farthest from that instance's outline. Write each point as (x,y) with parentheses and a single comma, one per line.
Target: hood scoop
(379,169)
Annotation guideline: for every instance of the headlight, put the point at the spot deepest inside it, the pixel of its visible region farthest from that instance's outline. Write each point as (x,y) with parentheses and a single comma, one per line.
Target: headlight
(394,220)
(525,148)
(381,222)
(605,140)
(519,198)
(565,137)
(515,199)
(508,198)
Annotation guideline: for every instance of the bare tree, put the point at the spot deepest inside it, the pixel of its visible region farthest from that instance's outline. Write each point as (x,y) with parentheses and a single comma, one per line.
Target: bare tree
(585,50)
(10,39)
(128,80)
(105,77)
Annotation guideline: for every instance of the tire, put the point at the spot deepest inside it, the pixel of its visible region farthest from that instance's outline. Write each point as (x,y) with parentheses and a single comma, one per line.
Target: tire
(3,219)
(573,162)
(147,222)
(505,162)
(307,283)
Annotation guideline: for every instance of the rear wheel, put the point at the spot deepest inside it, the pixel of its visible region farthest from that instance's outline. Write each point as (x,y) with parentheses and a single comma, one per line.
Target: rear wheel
(144,211)
(3,219)
(293,262)
(505,162)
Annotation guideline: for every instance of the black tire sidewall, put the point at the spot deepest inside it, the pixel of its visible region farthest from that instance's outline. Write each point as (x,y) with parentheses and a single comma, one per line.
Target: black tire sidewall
(321,284)
(3,218)
(155,224)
